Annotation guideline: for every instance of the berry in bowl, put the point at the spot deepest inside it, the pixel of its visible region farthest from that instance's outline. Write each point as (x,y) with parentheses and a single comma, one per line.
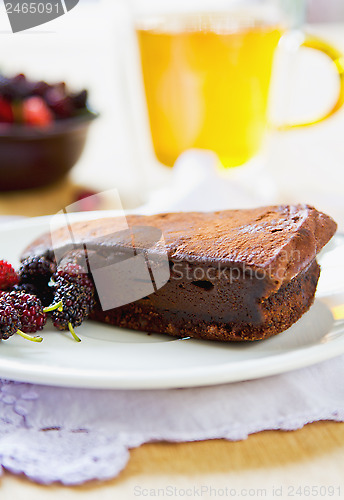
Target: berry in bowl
(43,130)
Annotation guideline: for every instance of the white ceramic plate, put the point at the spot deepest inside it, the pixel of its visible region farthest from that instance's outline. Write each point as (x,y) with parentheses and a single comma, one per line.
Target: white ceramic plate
(110,357)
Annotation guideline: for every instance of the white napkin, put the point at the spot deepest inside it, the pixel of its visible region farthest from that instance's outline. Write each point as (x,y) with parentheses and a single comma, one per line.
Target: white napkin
(74,435)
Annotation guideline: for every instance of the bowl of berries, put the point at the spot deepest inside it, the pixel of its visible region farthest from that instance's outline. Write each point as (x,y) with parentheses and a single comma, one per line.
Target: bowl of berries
(43,131)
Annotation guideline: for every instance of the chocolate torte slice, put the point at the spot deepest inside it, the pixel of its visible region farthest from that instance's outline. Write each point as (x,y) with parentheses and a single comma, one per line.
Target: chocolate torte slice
(234,275)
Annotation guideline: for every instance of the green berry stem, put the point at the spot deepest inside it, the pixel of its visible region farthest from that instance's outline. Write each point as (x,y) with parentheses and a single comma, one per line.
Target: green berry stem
(53,307)
(29,337)
(71,329)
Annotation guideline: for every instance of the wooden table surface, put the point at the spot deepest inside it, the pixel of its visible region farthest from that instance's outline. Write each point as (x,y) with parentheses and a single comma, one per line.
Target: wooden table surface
(271,464)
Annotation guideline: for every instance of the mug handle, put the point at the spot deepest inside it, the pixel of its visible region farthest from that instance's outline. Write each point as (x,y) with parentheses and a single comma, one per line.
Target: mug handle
(313,42)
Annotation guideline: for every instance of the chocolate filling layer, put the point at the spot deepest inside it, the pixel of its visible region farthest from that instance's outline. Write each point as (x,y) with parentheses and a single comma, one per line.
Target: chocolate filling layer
(271,315)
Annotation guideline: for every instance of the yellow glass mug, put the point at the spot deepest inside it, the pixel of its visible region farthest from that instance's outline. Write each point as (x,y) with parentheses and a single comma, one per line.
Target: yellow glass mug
(207,76)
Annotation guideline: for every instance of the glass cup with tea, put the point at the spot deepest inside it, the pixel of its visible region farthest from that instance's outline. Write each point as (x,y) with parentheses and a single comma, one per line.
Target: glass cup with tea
(207,74)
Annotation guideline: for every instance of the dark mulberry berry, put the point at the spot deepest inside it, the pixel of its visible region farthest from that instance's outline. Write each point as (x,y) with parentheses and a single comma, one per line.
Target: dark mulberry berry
(14,314)
(30,311)
(34,268)
(37,272)
(75,291)
(80,99)
(9,320)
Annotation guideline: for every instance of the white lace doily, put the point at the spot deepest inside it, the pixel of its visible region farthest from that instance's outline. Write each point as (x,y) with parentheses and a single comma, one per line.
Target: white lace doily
(74,435)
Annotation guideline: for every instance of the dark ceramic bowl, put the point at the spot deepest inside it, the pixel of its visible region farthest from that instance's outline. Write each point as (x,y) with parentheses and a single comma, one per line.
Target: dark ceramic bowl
(35,157)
